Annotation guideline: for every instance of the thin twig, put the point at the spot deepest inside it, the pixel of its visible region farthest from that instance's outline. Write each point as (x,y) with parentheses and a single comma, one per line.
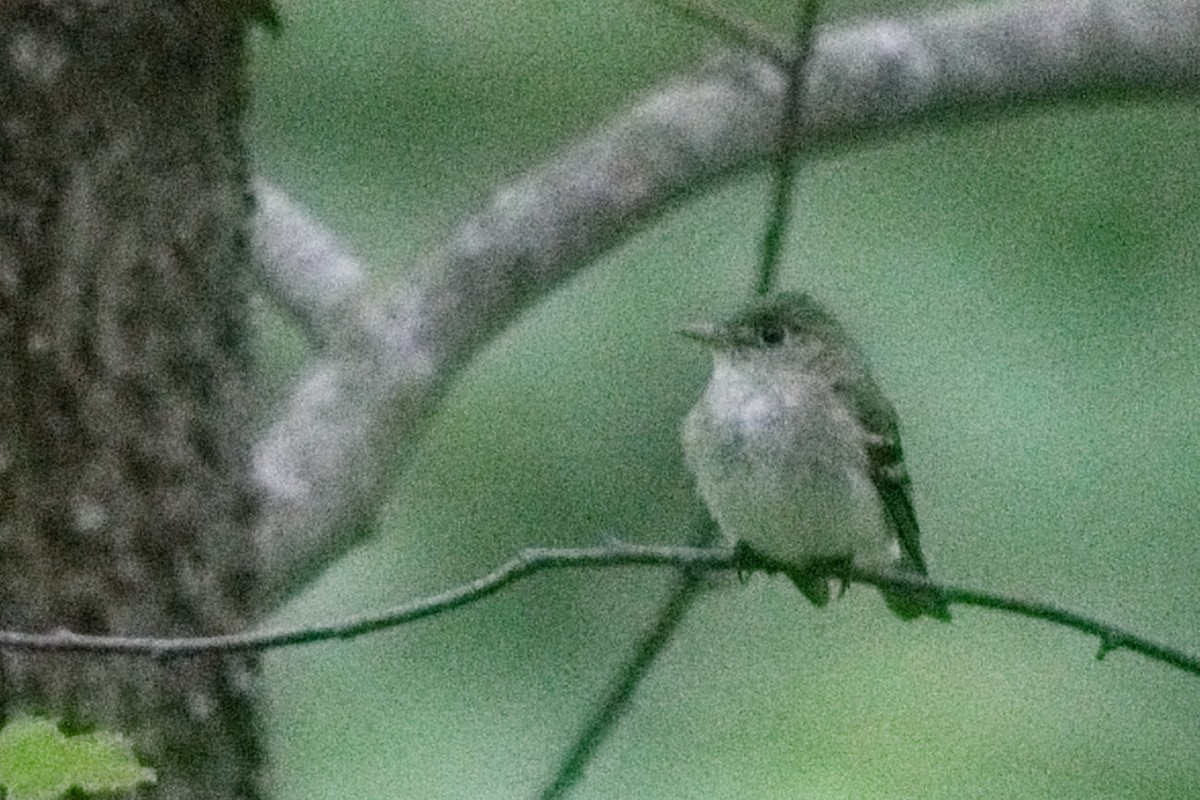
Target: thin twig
(785,156)
(1111,637)
(526,563)
(612,707)
(595,732)
(537,559)
(733,28)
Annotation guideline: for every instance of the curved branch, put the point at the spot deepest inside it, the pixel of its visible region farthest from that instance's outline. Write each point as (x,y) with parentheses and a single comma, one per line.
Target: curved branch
(526,563)
(536,559)
(323,467)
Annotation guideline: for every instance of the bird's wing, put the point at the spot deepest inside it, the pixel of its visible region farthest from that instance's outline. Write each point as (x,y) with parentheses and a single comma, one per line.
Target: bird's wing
(886,458)
(881,430)
(891,481)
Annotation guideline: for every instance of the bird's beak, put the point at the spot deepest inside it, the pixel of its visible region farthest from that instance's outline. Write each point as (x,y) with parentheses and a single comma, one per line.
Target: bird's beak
(709,333)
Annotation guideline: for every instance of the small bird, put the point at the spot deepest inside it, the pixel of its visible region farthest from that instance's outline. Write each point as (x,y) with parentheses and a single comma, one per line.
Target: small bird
(797,452)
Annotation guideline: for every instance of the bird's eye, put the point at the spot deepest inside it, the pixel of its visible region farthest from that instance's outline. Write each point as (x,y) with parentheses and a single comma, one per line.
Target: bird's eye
(772,335)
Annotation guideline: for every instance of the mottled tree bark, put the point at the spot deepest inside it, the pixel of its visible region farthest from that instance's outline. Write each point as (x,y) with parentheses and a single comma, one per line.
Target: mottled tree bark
(124,505)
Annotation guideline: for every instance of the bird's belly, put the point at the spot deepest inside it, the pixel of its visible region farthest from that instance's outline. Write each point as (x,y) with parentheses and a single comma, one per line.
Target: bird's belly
(799,517)
(788,488)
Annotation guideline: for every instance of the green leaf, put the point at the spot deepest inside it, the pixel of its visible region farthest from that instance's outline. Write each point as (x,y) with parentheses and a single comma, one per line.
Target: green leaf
(39,762)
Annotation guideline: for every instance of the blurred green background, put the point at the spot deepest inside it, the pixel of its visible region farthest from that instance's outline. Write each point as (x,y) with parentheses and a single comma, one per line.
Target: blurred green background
(1028,292)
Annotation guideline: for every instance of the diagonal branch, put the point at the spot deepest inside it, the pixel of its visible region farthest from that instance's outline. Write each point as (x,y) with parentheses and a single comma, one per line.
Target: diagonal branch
(733,29)
(302,266)
(602,721)
(323,466)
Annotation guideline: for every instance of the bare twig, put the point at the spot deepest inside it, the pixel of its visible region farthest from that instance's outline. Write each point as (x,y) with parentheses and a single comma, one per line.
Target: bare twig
(537,559)
(526,563)
(615,702)
(785,157)
(733,29)
(612,706)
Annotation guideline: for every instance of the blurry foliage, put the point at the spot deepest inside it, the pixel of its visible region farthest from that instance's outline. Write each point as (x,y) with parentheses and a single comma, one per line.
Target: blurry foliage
(39,762)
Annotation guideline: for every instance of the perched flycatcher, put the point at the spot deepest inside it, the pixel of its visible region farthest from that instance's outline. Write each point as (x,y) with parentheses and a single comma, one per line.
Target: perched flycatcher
(797,452)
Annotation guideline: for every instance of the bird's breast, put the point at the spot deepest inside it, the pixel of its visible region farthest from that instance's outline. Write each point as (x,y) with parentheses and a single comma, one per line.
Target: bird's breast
(783,466)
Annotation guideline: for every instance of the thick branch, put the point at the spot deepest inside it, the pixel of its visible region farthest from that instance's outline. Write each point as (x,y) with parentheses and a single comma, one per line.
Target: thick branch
(533,560)
(303,267)
(323,466)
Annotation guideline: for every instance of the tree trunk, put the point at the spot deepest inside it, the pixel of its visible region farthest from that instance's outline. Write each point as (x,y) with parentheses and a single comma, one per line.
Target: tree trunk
(124,500)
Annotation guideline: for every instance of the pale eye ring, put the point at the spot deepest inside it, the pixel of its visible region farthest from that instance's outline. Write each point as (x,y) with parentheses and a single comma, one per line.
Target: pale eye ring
(772,335)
